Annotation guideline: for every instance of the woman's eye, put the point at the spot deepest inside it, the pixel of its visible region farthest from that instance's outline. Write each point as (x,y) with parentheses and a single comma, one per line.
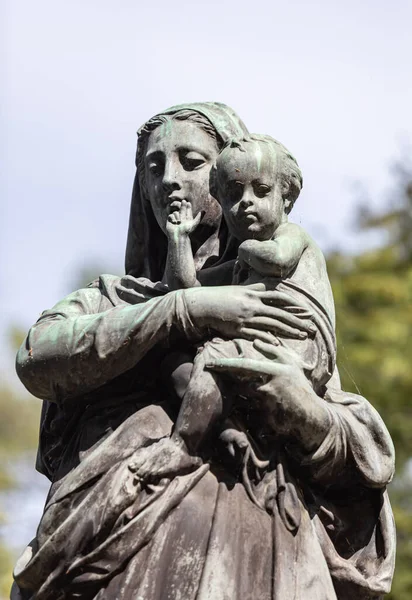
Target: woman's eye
(192,161)
(155,169)
(261,190)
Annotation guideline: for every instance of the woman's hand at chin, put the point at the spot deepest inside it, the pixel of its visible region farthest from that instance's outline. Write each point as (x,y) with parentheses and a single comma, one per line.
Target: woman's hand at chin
(248,312)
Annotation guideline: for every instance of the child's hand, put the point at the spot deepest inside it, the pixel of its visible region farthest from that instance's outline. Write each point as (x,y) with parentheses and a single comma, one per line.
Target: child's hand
(181,221)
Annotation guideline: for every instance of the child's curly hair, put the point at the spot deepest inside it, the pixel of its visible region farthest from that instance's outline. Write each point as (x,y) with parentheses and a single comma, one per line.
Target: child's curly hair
(289,170)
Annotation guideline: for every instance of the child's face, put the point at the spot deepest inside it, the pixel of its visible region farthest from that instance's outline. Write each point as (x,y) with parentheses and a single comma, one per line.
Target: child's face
(249,192)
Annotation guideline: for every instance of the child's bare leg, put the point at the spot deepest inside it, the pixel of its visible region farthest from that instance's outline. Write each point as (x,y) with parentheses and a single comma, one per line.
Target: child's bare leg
(175,371)
(203,405)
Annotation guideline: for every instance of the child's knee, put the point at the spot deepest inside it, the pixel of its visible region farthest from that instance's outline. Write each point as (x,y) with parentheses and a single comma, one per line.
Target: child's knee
(176,371)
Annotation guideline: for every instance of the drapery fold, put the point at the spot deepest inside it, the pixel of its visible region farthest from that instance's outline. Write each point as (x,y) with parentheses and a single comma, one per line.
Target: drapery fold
(125,538)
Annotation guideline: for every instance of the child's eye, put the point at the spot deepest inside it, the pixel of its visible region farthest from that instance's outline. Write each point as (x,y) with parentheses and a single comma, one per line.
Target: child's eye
(261,190)
(234,191)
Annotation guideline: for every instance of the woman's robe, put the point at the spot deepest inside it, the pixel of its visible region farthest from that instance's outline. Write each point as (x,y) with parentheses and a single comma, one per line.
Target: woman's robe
(197,535)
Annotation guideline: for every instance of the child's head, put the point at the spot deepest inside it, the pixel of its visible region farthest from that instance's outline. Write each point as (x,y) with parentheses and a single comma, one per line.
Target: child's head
(257,181)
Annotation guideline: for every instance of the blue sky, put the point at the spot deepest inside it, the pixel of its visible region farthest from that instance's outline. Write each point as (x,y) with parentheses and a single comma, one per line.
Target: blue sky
(330,79)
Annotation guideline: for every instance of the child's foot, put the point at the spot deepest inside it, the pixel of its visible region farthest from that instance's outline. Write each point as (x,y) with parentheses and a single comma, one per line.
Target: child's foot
(234,439)
(163,458)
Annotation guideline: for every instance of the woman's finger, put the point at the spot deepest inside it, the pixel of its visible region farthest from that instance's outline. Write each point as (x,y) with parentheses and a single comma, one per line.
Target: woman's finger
(282,355)
(248,333)
(243,366)
(278,298)
(279,353)
(303,313)
(268,350)
(276,327)
(258,287)
(279,315)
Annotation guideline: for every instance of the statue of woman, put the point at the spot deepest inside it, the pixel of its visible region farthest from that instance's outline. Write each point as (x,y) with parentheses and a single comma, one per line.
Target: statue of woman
(315,523)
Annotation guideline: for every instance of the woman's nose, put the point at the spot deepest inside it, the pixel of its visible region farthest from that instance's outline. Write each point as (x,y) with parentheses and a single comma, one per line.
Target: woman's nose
(171,177)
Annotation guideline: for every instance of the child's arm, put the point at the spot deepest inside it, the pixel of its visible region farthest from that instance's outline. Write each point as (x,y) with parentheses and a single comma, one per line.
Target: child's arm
(276,257)
(180,271)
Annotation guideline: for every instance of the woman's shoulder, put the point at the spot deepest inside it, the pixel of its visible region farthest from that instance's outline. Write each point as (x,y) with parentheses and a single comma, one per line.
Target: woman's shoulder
(97,296)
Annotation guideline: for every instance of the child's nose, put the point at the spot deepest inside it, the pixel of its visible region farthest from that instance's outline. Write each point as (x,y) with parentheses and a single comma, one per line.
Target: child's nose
(247,199)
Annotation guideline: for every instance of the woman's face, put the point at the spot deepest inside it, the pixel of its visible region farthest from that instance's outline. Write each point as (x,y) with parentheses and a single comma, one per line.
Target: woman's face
(179,156)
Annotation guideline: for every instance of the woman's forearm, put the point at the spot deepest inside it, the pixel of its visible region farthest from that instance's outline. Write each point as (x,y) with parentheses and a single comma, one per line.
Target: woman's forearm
(357,445)
(300,414)
(352,445)
(68,353)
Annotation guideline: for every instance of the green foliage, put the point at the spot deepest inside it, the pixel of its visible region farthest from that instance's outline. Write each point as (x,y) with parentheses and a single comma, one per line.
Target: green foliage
(373,297)
(19,425)
(6,568)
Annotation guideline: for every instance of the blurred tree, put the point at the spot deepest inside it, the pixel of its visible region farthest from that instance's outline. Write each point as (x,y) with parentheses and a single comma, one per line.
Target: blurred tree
(19,425)
(373,297)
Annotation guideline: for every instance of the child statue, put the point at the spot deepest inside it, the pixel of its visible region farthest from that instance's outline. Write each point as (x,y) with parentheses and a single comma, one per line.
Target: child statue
(256,180)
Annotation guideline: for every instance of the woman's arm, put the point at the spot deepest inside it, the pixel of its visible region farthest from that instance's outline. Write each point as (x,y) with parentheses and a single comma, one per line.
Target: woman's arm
(76,347)
(338,439)
(292,408)
(357,437)
(84,342)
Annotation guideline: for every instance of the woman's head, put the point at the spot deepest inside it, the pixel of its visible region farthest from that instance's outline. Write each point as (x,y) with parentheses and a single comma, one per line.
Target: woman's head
(174,158)
(182,142)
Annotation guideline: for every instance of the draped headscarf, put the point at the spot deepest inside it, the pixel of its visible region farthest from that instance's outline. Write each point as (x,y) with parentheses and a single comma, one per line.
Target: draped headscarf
(146,244)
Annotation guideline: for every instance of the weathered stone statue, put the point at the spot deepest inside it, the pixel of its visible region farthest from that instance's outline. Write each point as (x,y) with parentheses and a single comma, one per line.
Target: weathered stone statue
(194,429)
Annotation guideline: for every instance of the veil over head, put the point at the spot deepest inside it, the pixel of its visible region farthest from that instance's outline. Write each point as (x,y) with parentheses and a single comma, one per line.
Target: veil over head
(146,243)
